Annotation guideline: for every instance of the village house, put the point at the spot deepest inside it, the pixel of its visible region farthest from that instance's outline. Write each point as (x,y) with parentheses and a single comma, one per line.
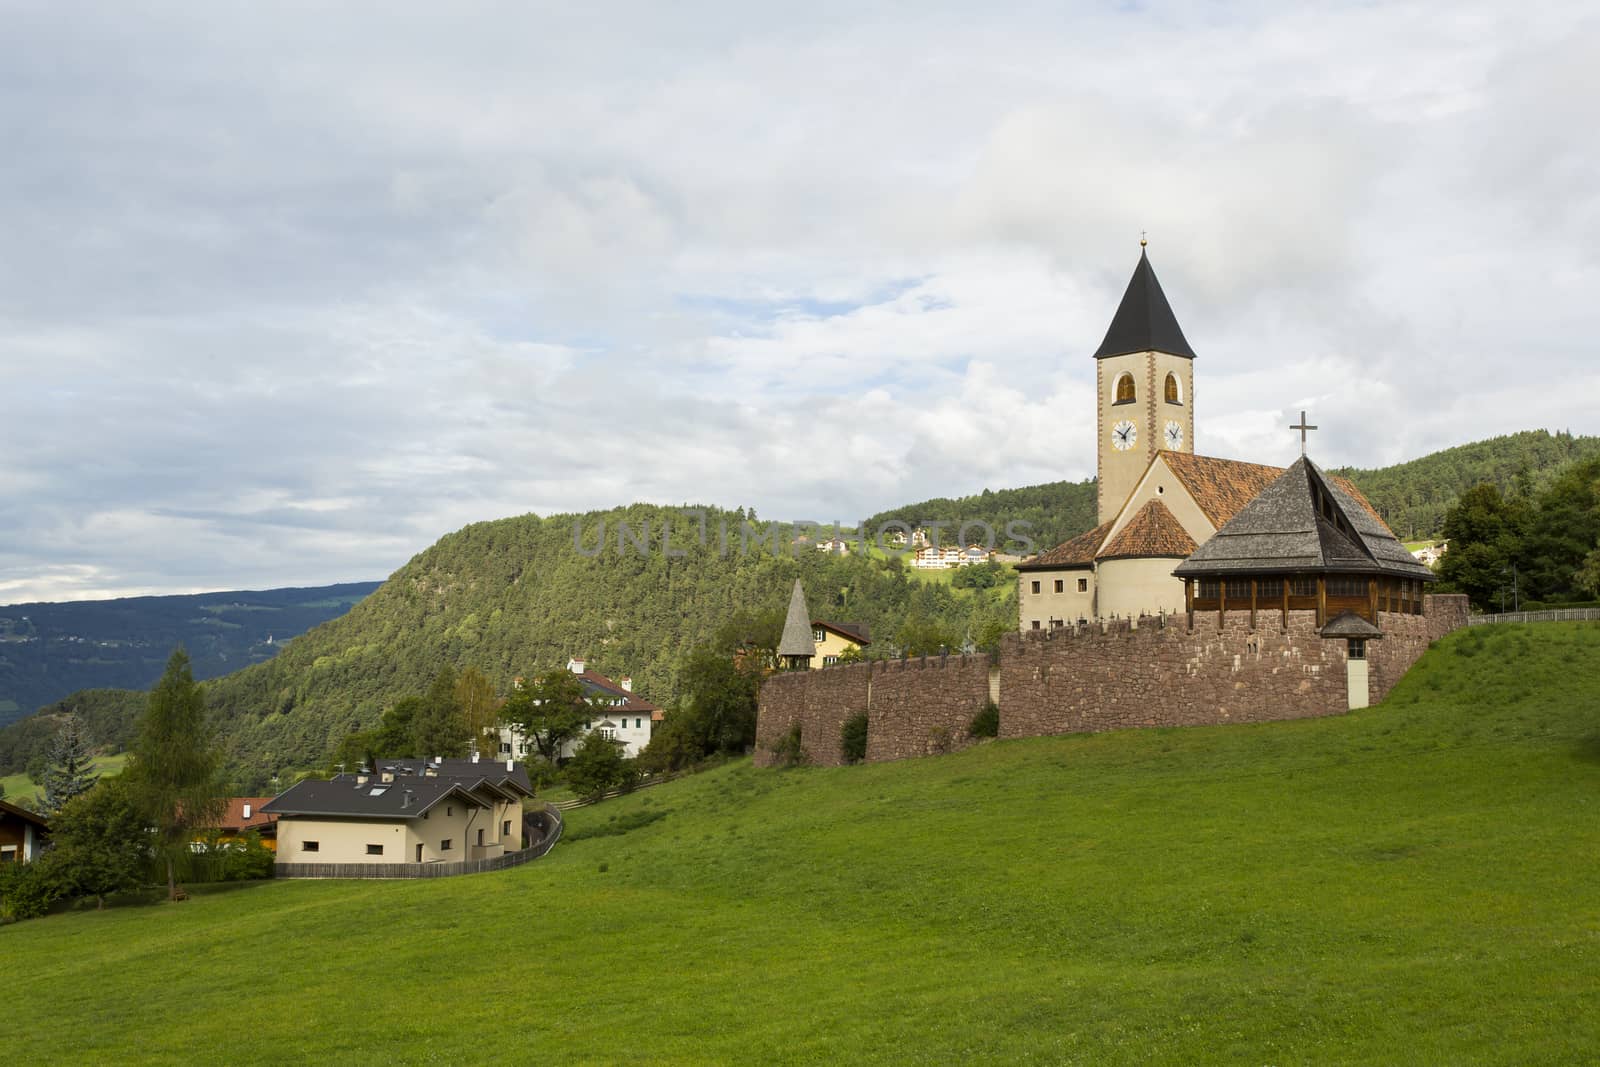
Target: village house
(22,833)
(432,810)
(620,715)
(834,639)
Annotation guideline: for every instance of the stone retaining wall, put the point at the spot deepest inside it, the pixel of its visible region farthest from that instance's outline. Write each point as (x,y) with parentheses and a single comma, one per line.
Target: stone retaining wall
(1097,677)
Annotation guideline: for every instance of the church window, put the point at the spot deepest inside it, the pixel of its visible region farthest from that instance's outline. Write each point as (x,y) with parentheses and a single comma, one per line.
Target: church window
(1209,588)
(1269,587)
(1238,589)
(1124,389)
(1083,585)
(1302,586)
(1036,587)
(1358,648)
(1174,393)
(1035,624)
(1061,585)
(1056,624)
(1347,587)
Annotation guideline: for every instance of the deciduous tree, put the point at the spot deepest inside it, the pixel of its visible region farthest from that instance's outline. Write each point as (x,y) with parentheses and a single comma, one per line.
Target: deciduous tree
(173,770)
(550,710)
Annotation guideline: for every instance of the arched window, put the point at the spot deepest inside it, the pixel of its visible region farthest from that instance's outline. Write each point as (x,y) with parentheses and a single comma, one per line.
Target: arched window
(1124,389)
(1174,395)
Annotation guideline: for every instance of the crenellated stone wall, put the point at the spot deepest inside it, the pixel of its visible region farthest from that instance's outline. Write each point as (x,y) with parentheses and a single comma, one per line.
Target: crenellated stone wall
(1108,676)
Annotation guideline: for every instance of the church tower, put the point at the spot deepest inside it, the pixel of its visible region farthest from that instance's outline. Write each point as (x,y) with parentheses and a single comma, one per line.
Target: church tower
(1145,389)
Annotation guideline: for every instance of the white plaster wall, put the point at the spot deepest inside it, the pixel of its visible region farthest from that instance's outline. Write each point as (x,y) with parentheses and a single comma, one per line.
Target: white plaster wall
(1130,587)
(1047,604)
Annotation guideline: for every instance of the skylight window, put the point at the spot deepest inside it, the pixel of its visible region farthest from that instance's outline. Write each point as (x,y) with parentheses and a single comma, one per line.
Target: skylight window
(378,791)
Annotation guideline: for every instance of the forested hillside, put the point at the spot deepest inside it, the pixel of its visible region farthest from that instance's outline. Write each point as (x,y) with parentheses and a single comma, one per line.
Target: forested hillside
(50,650)
(1052,512)
(1413,497)
(518,596)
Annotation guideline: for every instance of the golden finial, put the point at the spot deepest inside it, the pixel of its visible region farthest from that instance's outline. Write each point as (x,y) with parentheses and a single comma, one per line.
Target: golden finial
(1142,241)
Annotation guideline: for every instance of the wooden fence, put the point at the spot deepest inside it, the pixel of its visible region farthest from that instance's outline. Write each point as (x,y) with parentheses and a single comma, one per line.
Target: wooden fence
(1557,615)
(547,819)
(583,802)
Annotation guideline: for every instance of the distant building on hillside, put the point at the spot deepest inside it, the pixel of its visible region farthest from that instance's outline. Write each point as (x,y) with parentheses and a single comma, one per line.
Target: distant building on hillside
(620,715)
(834,639)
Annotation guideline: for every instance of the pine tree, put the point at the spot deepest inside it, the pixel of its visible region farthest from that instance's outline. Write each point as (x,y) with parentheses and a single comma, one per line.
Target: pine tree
(173,771)
(69,772)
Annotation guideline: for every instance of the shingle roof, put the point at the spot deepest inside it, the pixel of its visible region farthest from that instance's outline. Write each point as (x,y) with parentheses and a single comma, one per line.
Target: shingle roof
(1144,320)
(1349,624)
(796,640)
(1288,528)
(1078,552)
(1153,531)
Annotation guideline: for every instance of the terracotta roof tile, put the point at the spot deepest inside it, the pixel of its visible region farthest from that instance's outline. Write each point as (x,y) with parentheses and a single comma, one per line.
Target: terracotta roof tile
(1153,531)
(1078,552)
(1220,486)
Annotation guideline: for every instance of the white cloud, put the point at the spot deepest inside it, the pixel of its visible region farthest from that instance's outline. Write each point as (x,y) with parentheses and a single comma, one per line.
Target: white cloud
(286,295)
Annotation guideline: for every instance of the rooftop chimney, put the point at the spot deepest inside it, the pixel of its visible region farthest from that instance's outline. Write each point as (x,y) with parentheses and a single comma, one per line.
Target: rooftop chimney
(247,811)
(405,799)
(474,755)
(575,664)
(510,765)
(626,681)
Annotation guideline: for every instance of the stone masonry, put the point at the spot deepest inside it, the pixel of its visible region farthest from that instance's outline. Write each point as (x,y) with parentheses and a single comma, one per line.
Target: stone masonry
(1096,677)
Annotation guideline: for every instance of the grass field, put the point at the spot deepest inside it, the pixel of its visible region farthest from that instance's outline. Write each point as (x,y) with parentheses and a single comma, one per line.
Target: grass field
(21,787)
(1414,883)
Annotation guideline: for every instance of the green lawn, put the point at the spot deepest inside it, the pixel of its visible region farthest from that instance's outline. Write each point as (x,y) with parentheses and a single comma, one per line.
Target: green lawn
(21,787)
(1415,883)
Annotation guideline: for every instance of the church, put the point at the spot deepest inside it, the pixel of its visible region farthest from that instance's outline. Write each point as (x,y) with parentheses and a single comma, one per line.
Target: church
(1180,532)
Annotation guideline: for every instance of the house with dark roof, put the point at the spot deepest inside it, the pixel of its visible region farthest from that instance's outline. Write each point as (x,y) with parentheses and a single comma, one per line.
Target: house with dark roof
(434,810)
(1158,500)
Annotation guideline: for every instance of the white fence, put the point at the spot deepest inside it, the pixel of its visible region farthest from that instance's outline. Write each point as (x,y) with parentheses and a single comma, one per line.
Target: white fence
(1560,615)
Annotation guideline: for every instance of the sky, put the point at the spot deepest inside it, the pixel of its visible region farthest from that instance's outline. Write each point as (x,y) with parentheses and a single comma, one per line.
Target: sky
(289,291)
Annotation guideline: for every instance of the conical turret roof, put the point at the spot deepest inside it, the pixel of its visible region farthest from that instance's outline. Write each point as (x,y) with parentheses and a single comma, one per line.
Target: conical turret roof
(797,627)
(1144,321)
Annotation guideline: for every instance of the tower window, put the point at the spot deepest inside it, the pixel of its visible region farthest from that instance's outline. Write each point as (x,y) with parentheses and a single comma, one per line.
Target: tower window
(1124,389)
(1173,391)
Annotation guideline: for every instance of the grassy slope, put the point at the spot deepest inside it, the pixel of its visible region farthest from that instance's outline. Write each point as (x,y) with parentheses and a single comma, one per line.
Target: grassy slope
(1412,883)
(21,787)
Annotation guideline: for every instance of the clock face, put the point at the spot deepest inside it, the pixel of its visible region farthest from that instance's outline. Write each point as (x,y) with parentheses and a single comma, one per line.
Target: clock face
(1123,435)
(1174,435)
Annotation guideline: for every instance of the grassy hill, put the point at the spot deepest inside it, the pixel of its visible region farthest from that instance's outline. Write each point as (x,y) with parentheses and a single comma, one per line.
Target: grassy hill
(1410,883)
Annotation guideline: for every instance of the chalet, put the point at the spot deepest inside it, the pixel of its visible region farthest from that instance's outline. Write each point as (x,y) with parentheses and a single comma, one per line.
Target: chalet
(433,810)
(244,815)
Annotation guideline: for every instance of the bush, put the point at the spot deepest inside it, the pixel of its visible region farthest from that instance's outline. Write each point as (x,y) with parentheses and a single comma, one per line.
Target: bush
(987,722)
(853,738)
(27,890)
(598,767)
(787,751)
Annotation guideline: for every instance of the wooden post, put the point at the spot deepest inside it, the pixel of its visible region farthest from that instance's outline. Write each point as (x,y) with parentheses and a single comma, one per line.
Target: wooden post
(1322,601)
(1222,600)
(1188,601)
(1252,603)
(1285,620)
(1372,601)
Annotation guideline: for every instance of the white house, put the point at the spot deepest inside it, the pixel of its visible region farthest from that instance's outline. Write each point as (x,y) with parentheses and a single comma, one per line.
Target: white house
(619,714)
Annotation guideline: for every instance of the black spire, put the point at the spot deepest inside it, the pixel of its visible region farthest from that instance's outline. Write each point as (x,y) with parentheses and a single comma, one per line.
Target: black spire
(1144,321)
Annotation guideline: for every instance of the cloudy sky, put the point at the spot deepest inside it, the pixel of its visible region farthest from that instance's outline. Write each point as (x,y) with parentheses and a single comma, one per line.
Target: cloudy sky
(289,291)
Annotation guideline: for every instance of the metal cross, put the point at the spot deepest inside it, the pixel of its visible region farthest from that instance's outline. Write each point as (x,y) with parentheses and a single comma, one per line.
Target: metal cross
(1302,427)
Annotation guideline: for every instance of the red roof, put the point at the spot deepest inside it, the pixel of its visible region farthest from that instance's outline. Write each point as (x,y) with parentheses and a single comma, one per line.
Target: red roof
(634,702)
(235,822)
(1153,531)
